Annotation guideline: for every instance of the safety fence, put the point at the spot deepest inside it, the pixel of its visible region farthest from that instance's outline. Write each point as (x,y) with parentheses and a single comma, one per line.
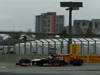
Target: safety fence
(49,46)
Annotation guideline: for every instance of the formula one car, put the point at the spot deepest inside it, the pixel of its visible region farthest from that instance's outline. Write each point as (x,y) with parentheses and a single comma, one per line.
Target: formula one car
(47,62)
(53,60)
(58,60)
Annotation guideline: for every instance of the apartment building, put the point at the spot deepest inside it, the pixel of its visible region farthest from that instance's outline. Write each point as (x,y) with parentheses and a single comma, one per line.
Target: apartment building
(49,22)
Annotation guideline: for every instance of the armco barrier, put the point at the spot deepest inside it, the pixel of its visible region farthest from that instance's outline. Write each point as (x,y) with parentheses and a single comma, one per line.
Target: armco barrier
(90,58)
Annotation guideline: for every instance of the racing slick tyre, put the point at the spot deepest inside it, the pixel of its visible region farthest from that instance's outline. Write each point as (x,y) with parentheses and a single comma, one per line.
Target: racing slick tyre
(24,62)
(77,62)
(39,63)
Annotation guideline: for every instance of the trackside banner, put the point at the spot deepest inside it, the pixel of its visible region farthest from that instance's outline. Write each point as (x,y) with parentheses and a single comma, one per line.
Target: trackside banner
(90,58)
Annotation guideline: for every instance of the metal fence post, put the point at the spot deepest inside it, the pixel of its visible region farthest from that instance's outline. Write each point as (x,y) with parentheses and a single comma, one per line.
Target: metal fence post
(88,46)
(42,46)
(30,48)
(19,47)
(61,45)
(95,49)
(54,45)
(67,44)
(81,51)
(36,46)
(48,45)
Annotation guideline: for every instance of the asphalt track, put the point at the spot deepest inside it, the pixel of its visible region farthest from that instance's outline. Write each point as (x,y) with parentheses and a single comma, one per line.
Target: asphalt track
(64,73)
(86,69)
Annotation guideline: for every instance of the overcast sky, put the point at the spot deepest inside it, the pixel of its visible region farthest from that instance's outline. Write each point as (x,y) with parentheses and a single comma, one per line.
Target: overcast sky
(20,14)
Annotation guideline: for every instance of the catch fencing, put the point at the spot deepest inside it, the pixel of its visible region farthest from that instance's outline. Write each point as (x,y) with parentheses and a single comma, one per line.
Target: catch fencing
(48,46)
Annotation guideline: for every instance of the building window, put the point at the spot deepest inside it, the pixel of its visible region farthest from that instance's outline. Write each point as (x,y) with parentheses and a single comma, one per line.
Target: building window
(48,30)
(84,23)
(77,26)
(96,25)
(90,25)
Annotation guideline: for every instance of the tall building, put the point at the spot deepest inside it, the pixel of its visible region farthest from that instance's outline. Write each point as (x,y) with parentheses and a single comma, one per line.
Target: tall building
(82,26)
(96,25)
(60,23)
(49,23)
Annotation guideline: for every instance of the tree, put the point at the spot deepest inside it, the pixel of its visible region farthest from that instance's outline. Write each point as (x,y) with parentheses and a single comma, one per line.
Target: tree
(63,33)
(29,36)
(1,37)
(14,36)
(89,32)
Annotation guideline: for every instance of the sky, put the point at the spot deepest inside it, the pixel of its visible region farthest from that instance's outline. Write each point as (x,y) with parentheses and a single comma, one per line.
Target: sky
(19,15)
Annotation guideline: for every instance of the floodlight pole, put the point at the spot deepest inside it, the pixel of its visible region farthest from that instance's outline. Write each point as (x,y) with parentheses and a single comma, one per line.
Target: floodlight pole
(70,29)
(71,6)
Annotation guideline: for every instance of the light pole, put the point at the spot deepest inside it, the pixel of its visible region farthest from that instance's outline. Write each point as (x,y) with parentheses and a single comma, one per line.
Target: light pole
(71,6)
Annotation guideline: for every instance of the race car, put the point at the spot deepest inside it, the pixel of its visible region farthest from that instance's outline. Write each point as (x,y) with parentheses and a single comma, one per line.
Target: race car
(58,60)
(48,62)
(52,60)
